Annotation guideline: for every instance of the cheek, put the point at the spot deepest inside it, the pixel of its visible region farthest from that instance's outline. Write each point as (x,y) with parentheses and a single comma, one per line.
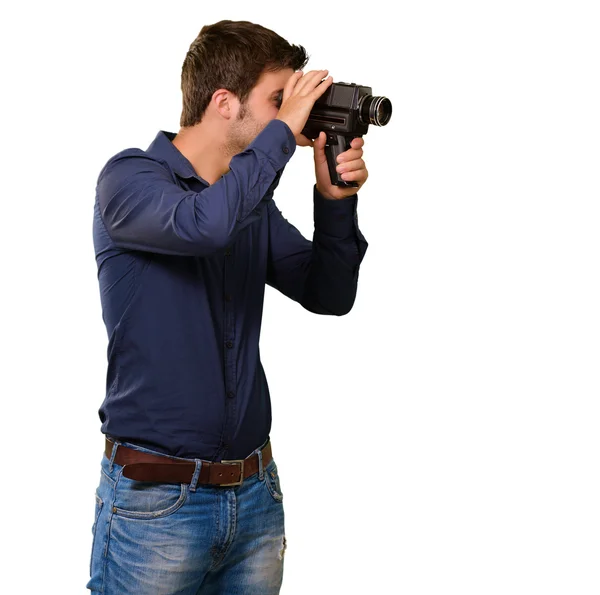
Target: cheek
(268,111)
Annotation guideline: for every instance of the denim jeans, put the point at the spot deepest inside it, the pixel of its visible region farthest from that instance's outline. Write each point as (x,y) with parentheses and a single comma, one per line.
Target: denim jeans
(167,539)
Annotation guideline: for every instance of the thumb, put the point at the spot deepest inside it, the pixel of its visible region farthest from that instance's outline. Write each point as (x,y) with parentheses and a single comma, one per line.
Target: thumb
(319,146)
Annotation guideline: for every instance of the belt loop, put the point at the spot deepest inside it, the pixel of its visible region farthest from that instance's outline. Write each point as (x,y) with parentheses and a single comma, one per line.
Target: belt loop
(196,476)
(260,464)
(113,453)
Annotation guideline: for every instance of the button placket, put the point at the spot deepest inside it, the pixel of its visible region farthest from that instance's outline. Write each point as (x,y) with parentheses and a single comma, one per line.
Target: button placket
(229,420)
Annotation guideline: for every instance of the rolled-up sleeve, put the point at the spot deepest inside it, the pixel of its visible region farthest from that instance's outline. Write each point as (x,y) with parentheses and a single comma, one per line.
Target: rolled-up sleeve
(321,275)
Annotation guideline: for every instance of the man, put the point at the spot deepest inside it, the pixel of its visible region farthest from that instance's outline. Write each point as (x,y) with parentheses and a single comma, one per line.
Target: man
(186,236)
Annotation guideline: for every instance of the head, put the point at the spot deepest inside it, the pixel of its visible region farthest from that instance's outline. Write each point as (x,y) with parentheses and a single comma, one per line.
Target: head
(234,72)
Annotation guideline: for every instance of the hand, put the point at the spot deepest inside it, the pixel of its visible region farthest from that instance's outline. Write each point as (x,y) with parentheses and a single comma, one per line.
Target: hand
(299,96)
(350,165)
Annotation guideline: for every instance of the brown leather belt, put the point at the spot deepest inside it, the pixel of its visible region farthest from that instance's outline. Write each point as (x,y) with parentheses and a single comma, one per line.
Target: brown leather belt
(144,466)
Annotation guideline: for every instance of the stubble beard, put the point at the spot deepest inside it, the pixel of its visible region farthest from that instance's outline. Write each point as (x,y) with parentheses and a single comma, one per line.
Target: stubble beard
(243,132)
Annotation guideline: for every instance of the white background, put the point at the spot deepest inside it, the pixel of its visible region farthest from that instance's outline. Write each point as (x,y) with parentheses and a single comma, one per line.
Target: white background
(440,438)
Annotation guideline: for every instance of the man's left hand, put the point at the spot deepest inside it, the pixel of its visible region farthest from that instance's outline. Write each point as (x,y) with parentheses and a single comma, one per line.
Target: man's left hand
(349,164)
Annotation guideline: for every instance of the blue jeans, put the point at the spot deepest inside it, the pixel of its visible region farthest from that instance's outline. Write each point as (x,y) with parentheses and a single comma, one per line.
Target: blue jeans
(167,539)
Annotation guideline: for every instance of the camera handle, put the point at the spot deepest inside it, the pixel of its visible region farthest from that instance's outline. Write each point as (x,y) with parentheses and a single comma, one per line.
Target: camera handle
(334,145)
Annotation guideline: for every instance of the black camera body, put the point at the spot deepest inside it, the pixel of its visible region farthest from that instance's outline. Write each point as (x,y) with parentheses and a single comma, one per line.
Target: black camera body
(344,112)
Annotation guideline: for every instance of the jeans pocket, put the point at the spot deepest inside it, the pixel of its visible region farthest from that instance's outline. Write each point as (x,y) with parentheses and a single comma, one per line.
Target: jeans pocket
(273,482)
(147,500)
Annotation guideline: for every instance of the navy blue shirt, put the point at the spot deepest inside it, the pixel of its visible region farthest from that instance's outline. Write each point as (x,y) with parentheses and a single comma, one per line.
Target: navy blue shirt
(182,267)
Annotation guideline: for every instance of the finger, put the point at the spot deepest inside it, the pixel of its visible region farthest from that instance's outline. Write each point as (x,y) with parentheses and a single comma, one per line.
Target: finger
(303,78)
(293,82)
(290,85)
(323,86)
(353,153)
(350,155)
(359,175)
(310,80)
(319,147)
(351,166)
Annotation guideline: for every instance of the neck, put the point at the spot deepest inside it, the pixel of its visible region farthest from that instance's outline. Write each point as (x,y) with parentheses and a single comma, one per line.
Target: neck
(203,147)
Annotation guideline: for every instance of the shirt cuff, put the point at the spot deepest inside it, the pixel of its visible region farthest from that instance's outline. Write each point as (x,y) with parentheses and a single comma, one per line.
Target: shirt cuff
(335,217)
(276,140)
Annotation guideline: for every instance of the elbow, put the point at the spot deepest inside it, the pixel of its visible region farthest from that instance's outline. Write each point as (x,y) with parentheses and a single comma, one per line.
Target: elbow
(344,309)
(343,301)
(340,306)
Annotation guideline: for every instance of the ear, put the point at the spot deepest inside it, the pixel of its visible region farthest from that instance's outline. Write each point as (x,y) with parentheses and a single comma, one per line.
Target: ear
(225,103)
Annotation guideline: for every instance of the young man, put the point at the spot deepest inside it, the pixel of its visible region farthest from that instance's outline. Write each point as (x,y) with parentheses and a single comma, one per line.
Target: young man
(186,236)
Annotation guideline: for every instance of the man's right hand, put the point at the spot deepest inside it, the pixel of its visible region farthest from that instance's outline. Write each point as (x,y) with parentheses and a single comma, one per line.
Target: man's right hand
(299,96)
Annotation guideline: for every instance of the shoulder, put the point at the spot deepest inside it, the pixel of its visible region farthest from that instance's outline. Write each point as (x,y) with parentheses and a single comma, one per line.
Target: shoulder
(132,162)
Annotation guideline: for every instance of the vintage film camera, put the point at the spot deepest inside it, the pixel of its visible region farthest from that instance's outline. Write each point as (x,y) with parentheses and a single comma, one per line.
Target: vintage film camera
(344,112)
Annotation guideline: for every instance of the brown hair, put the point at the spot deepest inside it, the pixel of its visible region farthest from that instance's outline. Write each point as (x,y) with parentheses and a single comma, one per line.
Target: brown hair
(231,55)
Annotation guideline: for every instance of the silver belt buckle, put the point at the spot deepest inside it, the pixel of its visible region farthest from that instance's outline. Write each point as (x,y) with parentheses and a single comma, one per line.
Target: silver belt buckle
(231,462)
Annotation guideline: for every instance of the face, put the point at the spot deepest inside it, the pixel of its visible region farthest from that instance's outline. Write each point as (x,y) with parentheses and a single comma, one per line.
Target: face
(260,108)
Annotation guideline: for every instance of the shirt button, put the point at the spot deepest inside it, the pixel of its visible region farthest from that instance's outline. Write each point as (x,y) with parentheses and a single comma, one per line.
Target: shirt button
(227,297)
(229,344)
(341,217)
(285,150)
(228,252)
(231,394)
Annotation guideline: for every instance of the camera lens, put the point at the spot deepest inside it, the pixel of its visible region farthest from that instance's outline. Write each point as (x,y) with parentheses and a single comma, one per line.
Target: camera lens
(375,110)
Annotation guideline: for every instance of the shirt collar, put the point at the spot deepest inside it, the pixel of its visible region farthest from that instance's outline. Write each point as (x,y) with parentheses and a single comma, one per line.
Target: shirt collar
(163,148)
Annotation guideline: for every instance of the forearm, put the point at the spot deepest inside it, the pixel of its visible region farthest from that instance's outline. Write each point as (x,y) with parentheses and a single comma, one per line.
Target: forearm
(338,249)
